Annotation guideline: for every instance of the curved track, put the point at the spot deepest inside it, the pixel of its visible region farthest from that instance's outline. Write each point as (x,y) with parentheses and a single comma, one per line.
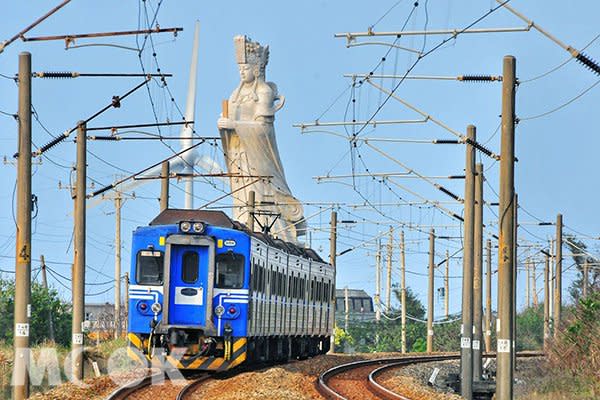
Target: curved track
(136,387)
(364,370)
(358,380)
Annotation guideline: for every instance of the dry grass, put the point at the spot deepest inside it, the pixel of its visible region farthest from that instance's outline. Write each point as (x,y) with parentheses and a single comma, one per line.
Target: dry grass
(573,367)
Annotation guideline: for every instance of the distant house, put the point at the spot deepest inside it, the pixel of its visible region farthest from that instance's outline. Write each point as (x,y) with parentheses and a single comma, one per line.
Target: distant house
(100,317)
(360,306)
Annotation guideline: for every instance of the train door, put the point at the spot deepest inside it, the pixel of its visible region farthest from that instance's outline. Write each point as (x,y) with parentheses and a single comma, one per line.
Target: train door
(188,285)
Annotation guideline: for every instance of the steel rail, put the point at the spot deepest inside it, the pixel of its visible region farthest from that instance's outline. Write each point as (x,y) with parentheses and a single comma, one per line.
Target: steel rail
(386,393)
(190,387)
(124,391)
(329,393)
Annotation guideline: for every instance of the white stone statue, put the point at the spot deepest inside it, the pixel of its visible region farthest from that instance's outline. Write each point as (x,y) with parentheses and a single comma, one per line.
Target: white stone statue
(250,147)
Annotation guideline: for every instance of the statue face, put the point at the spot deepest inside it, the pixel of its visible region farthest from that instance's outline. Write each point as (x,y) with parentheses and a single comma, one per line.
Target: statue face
(246,73)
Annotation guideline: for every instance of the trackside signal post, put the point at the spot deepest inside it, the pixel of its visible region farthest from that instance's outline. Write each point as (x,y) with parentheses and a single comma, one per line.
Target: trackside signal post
(506,248)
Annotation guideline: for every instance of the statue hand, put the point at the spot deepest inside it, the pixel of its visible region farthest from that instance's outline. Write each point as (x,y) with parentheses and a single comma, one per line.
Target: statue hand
(225,123)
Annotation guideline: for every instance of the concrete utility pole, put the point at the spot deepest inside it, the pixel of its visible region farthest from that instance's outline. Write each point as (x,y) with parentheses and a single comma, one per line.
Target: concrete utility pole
(23,235)
(378,282)
(547,302)
(515,207)
(488,298)
(403,290)
(506,245)
(332,249)
(164,186)
(478,275)
(252,210)
(45,286)
(430,291)
(118,204)
(551,282)
(466,350)
(447,286)
(126,300)
(534,285)
(527,284)
(558,275)
(390,253)
(346,309)
(79,264)
(585,277)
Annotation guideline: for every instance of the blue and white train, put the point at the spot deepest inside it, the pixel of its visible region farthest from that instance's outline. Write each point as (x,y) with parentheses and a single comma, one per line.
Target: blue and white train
(207,294)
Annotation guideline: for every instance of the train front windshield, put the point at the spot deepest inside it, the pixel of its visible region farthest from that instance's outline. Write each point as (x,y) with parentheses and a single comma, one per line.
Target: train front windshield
(149,270)
(229,270)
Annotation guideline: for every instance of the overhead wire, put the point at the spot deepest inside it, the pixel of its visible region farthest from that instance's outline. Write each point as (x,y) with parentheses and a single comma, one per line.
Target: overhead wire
(559,66)
(560,107)
(422,56)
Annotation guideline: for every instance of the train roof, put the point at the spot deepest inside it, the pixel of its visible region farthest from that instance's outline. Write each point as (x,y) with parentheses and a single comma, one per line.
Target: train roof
(173,216)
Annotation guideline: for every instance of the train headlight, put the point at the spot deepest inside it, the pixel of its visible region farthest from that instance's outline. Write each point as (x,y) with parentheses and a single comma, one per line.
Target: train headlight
(156,308)
(219,310)
(198,227)
(185,226)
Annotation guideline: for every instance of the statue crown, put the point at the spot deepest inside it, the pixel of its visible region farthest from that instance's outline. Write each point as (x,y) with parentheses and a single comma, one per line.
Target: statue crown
(250,52)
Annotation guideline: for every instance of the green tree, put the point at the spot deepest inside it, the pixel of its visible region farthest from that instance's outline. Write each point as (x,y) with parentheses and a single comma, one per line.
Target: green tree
(386,335)
(414,307)
(42,303)
(530,328)
(447,336)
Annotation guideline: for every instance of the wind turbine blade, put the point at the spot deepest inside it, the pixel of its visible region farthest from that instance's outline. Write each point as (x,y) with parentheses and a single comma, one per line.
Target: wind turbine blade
(187,130)
(209,165)
(190,105)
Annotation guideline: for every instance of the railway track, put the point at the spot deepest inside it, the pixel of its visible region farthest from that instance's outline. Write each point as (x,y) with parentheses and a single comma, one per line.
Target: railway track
(355,380)
(358,380)
(142,388)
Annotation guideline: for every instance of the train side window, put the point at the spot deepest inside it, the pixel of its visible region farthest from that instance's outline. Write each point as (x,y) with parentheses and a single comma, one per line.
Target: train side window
(321,291)
(229,272)
(254,276)
(281,284)
(189,267)
(149,267)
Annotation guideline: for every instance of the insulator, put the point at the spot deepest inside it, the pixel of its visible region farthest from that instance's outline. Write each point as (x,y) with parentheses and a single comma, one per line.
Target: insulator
(100,191)
(446,141)
(458,217)
(480,147)
(104,138)
(57,75)
(588,62)
(449,193)
(478,78)
(50,144)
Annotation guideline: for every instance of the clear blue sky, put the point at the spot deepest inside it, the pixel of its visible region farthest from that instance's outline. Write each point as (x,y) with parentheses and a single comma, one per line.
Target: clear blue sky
(556,170)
